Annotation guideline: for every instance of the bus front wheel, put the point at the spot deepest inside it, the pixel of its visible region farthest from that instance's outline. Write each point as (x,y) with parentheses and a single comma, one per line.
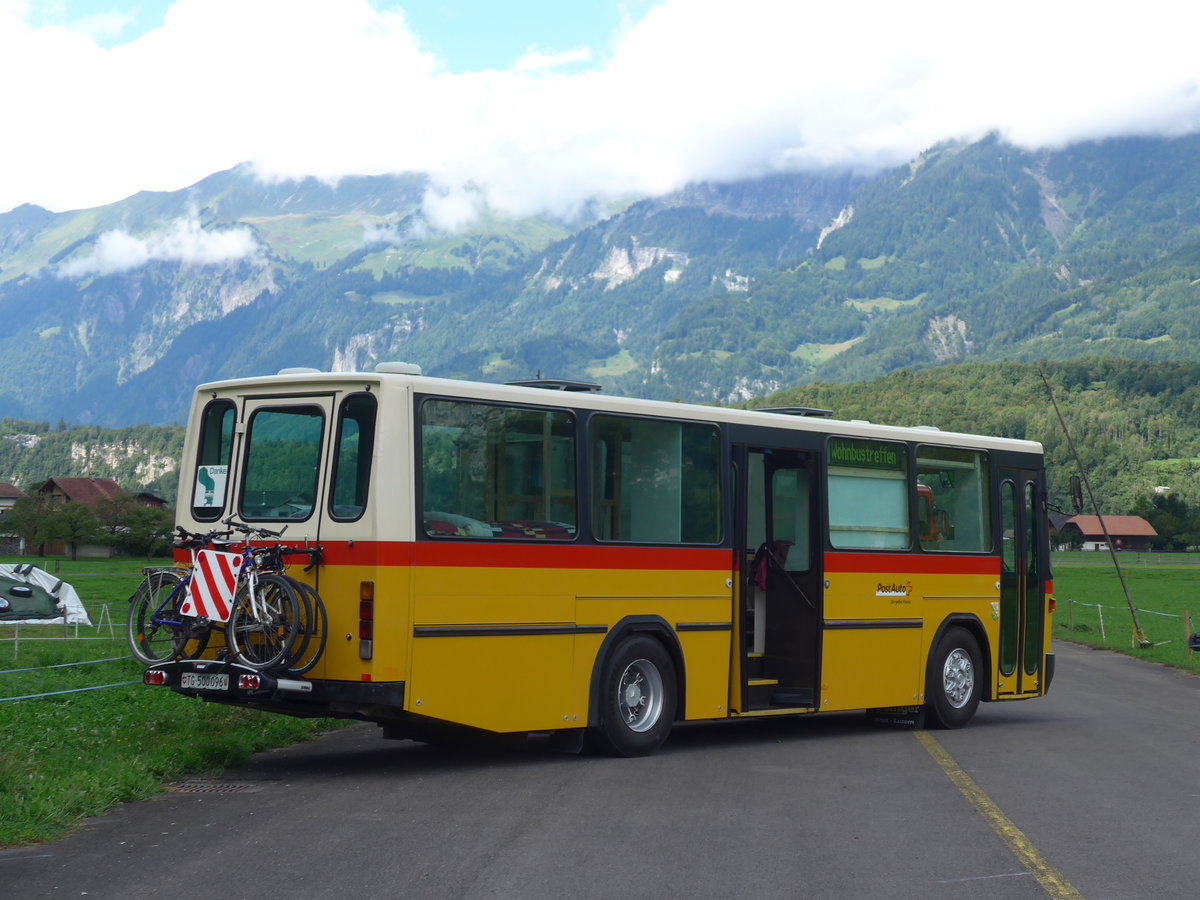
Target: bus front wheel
(954,681)
(637,699)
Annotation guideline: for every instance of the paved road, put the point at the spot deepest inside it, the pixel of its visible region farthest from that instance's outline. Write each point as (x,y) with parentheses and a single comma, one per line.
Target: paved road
(1093,791)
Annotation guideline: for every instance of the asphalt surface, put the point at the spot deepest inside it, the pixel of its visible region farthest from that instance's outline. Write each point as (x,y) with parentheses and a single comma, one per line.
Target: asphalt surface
(1093,791)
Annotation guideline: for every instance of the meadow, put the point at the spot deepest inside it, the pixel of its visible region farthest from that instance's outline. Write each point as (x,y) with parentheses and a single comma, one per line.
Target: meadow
(1163,589)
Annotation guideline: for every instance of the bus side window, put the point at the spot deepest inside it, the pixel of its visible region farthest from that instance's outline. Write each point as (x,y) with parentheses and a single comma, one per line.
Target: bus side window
(496,471)
(655,481)
(868,495)
(212,466)
(952,490)
(352,457)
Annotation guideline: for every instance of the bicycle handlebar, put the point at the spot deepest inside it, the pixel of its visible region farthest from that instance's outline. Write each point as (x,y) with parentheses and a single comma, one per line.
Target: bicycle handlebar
(251,530)
(189,540)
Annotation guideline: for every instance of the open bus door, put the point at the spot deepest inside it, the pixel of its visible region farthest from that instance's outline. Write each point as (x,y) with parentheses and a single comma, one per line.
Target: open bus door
(1023,576)
(781,572)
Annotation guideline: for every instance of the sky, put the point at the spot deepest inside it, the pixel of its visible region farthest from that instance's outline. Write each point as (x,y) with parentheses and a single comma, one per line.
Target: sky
(538,106)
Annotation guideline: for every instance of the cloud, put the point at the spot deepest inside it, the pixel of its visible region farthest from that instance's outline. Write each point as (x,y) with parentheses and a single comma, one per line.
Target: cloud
(184,241)
(692,90)
(535,59)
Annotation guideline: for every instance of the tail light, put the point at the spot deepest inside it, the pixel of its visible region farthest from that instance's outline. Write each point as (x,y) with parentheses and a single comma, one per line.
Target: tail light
(154,676)
(366,619)
(249,682)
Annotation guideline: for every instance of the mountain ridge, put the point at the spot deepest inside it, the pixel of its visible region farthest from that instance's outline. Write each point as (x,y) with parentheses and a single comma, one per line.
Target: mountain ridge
(717,292)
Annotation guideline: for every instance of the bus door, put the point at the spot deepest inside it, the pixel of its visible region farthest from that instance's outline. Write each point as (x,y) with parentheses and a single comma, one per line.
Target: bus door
(283,452)
(1022,584)
(781,575)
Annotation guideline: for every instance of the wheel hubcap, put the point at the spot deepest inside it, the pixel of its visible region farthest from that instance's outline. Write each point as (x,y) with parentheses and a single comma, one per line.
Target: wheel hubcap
(640,695)
(958,678)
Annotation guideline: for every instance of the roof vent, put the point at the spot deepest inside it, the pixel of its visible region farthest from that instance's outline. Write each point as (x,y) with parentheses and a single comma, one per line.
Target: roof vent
(558,384)
(797,411)
(299,370)
(397,368)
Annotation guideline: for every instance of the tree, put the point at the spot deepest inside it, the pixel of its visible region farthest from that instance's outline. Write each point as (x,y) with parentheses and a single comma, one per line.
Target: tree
(146,531)
(31,519)
(76,523)
(112,513)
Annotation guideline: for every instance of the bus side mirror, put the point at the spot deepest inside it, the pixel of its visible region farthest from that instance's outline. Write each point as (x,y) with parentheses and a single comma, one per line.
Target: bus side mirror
(1077,494)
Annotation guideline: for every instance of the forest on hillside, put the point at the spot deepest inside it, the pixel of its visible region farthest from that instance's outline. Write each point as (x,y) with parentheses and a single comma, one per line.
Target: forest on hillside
(1135,423)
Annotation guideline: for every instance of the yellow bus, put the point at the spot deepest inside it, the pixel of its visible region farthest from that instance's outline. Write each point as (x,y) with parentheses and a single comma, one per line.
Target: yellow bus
(540,557)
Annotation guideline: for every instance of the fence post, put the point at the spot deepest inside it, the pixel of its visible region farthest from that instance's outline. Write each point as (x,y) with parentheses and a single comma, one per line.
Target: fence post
(1100,613)
(16,639)
(1187,632)
(1071,615)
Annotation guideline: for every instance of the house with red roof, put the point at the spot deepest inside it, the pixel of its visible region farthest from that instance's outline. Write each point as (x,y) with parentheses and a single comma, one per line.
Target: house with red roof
(91,491)
(1127,532)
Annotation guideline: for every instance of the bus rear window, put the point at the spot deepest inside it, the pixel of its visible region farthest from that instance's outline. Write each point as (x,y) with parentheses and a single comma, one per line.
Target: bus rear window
(490,471)
(868,495)
(352,460)
(283,452)
(212,466)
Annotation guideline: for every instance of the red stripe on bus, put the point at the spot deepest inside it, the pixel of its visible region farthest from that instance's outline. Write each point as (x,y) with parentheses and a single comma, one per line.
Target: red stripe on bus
(528,556)
(911,563)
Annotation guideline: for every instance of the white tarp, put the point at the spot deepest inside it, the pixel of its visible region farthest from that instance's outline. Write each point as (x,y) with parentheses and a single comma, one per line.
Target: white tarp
(69,604)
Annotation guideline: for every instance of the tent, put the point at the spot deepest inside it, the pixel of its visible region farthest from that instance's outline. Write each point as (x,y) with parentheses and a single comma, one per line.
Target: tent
(30,595)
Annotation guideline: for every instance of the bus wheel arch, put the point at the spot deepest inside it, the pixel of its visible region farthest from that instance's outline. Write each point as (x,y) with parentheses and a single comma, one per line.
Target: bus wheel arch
(956,674)
(636,688)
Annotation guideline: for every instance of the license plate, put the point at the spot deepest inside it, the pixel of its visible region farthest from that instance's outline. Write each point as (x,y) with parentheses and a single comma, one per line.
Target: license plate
(204,681)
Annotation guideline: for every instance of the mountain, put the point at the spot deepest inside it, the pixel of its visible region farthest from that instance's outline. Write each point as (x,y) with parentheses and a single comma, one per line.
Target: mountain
(717,292)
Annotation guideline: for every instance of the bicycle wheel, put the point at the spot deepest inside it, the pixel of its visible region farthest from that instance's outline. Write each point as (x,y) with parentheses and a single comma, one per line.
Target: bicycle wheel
(264,624)
(153,629)
(314,629)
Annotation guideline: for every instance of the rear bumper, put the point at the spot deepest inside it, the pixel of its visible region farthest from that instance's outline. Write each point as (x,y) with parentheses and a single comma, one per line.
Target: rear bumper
(230,682)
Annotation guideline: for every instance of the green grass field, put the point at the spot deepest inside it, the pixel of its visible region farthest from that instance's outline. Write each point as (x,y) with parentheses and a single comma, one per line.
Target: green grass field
(1092,608)
(72,755)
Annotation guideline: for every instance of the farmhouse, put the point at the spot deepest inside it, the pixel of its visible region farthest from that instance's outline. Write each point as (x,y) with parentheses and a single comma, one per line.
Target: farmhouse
(1127,532)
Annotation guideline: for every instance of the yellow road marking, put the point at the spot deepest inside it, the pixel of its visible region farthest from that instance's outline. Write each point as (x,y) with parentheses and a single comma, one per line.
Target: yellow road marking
(1048,877)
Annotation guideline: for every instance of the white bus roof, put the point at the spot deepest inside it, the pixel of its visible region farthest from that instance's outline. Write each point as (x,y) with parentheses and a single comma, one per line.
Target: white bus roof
(312,379)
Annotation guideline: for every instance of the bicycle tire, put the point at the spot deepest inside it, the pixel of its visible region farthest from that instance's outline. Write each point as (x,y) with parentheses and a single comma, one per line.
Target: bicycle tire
(264,639)
(314,630)
(151,639)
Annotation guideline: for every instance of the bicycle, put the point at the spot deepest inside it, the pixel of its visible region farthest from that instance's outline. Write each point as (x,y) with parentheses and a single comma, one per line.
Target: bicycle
(314,621)
(266,616)
(157,629)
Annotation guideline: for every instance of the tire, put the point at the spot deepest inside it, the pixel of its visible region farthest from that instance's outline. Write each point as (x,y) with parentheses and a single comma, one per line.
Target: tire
(264,638)
(637,699)
(153,630)
(314,629)
(954,680)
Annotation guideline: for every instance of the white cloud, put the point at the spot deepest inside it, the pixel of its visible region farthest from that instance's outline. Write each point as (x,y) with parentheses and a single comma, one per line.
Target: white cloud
(536,59)
(184,241)
(695,89)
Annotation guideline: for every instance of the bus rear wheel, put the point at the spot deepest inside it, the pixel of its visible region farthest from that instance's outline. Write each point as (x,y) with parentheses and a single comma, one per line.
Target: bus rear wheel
(637,699)
(954,680)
